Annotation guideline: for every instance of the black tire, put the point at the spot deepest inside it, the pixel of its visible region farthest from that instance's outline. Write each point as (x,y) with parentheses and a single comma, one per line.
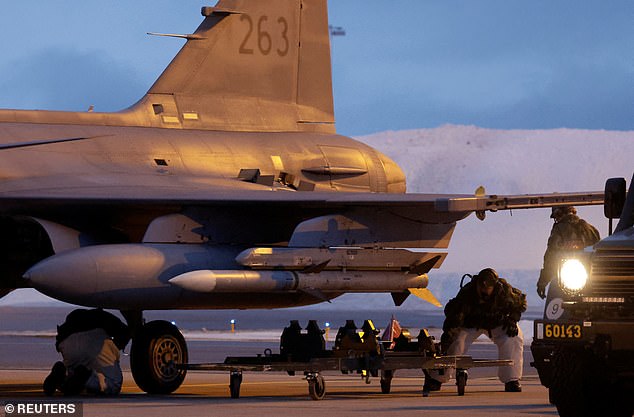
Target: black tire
(582,385)
(386,381)
(461,381)
(156,350)
(235,380)
(569,381)
(317,387)
(551,397)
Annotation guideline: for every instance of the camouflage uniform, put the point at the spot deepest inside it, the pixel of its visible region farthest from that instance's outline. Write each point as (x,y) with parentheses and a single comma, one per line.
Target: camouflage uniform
(89,341)
(468,315)
(504,308)
(568,233)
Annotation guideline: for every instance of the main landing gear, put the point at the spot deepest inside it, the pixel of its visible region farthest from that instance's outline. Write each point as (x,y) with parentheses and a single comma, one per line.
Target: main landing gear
(157,356)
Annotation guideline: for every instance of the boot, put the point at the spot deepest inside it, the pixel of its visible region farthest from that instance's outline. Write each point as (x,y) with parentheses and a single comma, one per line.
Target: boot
(430,384)
(513,386)
(76,381)
(55,379)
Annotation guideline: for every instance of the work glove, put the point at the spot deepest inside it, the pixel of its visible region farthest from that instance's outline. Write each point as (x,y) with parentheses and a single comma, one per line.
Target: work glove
(542,283)
(446,340)
(510,327)
(541,290)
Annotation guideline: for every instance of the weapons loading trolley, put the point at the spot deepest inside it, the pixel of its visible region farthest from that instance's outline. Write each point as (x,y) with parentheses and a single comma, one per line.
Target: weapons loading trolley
(354,351)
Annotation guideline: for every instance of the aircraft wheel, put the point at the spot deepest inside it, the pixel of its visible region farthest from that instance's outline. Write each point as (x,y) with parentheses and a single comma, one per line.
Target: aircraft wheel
(386,381)
(317,387)
(156,351)
(235,379)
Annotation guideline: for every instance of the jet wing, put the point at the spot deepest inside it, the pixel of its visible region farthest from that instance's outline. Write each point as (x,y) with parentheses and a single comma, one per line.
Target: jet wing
(240,212)
(281,226)
(182,191)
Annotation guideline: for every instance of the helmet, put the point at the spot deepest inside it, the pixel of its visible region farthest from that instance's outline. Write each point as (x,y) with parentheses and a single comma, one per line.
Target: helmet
(487,277)
(561,211)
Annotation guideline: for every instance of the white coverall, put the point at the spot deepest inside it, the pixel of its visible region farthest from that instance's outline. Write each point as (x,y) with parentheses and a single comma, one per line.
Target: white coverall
(95,350)
(508,348)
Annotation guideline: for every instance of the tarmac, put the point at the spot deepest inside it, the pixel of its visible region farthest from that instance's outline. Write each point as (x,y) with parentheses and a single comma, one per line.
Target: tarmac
(265,395)
(27,353)
(272,394)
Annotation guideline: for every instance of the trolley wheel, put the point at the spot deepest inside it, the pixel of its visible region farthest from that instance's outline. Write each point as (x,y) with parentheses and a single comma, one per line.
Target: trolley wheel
(386,381)
(316,387)
(461,381)
(235,379)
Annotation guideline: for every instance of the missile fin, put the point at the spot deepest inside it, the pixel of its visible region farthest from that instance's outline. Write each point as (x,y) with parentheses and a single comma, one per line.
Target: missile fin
(426,295)
(400,297)
(424,267)
(318,294)
(315,269)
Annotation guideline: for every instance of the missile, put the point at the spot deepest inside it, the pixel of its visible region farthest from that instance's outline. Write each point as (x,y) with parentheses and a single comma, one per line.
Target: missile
(151,276)
(236,281)
(279,281)
(340,258)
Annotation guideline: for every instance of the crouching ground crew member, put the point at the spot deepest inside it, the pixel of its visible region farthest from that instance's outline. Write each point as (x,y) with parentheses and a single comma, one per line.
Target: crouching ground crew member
(89,341)
(486,305)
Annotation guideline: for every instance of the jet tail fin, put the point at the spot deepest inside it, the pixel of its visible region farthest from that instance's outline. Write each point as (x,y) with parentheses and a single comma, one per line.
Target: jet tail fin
(250,66)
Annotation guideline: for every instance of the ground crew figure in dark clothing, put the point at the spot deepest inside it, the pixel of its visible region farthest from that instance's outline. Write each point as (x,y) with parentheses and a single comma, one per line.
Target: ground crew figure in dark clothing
(486,305)
(89,341)
(568,233)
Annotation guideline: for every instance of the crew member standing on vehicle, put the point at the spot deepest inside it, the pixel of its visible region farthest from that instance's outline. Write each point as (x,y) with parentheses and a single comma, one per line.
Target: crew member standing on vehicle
(568,233)
(486,305)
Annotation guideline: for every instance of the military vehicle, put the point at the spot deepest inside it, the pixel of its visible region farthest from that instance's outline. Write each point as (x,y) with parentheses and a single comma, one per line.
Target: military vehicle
(586,358)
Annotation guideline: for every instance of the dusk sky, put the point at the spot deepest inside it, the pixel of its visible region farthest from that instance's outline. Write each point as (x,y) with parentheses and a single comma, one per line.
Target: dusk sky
(402,64)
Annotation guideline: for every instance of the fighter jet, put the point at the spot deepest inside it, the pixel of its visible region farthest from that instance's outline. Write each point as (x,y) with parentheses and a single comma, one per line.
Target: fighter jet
(225,186)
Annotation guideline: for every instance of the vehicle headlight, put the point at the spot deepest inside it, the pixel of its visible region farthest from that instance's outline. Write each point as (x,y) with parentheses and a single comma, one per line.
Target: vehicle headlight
(573,275)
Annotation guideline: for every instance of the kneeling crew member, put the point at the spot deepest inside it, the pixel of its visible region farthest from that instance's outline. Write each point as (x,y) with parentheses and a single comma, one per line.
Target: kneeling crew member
(486,305)
(89,341)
